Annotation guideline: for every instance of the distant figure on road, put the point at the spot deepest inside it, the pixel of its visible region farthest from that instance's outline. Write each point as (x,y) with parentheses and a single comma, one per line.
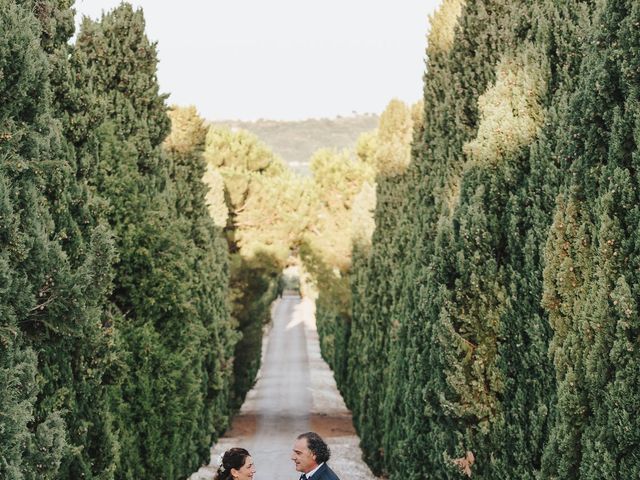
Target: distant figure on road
(235,464)
(311,454)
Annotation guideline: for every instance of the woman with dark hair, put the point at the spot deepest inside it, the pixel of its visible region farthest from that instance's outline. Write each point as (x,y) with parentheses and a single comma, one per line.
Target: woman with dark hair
(235,464)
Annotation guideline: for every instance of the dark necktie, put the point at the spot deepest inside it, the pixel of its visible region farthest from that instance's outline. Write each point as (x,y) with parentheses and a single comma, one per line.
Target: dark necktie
(303,477)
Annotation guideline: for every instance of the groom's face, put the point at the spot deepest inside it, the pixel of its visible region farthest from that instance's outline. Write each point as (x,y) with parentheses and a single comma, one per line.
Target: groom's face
(304,458)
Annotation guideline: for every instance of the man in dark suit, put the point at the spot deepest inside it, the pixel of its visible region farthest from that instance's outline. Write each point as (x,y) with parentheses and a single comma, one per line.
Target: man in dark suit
(311,454)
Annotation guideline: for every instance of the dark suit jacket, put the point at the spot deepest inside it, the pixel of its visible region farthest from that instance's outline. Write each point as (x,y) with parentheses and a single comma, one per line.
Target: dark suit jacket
(324,473)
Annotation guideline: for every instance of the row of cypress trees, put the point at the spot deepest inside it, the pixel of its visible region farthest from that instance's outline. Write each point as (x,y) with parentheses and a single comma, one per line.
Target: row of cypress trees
(505,344)
(342,220)
(116,344)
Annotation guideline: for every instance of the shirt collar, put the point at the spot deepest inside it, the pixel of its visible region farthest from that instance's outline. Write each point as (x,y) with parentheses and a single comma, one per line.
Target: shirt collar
(310,474)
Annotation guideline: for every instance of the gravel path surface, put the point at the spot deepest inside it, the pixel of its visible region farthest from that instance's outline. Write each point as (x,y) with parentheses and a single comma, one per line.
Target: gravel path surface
(295,392)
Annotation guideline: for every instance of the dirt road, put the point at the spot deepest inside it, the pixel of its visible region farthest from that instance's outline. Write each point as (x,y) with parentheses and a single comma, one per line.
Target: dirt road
(295,392)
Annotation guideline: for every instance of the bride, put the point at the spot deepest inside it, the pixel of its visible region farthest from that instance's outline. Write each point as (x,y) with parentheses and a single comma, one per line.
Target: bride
(236,464)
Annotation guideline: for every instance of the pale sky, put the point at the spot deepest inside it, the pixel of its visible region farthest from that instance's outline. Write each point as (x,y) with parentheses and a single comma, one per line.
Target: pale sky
(285,59)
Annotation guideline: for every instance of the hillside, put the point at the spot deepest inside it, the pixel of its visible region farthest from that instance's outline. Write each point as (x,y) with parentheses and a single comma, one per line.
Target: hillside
(296,141)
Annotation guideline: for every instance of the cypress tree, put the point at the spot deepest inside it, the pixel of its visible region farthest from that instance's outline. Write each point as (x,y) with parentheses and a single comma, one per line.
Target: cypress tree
(590,280)
(58,259)
(342,233)
(455,332)
(211,355)
(458,337)
(477,324)
(528,401)
(174,347)
(87,362)
(23,213)
(413,387)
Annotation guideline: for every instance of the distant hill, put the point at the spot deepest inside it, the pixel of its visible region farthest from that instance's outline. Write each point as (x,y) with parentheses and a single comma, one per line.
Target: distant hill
(296,141)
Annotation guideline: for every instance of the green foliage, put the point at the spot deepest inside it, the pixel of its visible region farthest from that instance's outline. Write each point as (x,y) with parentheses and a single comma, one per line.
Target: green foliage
(338,177)
(590,277)
(56,260)
(273,217)
(511,114)
(447,355)
(264,208)
(474,258)
(239,150)
(216,196)
(443,25)
(343,224)
(174,333)
(117,347)
(388,149)
(207,282)
(362,222)
(253,287)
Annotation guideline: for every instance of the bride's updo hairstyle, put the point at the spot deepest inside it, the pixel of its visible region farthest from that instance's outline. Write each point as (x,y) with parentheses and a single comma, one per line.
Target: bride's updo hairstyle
(232,458)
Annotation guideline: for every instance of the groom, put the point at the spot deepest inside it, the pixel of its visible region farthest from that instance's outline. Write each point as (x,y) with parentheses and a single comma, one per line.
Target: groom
(310,454)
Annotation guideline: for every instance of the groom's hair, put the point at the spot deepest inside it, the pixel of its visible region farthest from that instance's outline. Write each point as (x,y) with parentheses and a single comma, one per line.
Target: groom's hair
(317,445)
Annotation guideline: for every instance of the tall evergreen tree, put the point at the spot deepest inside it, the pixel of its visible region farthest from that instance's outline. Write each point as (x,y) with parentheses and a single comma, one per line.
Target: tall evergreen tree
(591,281)
(60,259)
(175,349)
(455,332)
(87,361)
(211,355)
(345,189)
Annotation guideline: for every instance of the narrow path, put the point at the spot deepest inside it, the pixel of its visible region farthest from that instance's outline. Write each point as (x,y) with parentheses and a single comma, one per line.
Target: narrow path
(295,392)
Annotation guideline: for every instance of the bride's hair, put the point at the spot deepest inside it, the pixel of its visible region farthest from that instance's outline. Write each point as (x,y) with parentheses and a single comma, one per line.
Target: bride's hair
(232,458)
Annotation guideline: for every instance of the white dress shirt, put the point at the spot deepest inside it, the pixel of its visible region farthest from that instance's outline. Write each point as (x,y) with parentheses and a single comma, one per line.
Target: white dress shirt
(310,474)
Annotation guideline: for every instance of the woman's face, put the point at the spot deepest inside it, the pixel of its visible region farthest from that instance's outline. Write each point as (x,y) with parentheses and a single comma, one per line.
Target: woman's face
(246,472)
